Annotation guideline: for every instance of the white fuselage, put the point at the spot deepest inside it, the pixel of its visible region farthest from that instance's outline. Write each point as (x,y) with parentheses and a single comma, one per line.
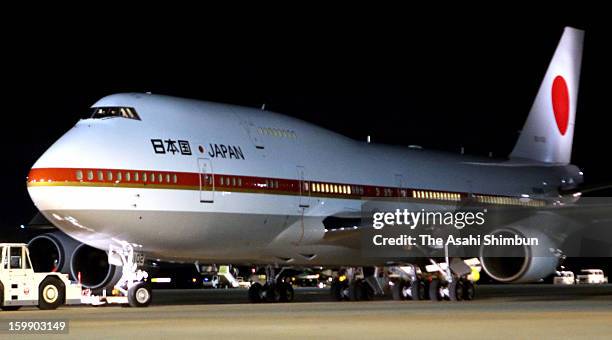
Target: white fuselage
(252,186)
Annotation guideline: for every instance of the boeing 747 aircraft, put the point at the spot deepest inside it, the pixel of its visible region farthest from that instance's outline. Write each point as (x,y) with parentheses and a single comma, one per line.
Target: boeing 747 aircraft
(187,180)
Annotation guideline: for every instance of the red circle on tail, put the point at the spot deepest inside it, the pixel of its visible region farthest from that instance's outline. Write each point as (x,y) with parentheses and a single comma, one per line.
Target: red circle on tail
(560,103)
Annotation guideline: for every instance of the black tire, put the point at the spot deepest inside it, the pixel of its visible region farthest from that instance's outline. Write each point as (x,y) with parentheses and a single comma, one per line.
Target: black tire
(396,290)
(355,290)
(404,286)
(434,290)
(285,292)
(139,295)
(51,293)
(255,292)
(271,292)
(366,293)
(455,290)
(417,290)
(469,291)
(337,287)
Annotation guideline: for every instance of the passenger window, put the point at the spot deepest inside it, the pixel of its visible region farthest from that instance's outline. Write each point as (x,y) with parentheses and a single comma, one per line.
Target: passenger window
(167,178)
(152,177)
(144,177)
(100,176)
(109,176)
(79,175)
(136,179)
(160,178)
(174,178)
(119,177)
(90,175)
(128,176)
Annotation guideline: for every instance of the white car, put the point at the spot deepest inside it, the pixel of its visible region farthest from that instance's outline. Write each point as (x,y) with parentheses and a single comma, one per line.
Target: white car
(592,276)
(564,278)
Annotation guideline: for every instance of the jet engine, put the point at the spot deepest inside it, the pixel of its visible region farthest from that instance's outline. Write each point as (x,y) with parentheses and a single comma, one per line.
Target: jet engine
(52,252)
(57,251)
(94,269)
(519,263)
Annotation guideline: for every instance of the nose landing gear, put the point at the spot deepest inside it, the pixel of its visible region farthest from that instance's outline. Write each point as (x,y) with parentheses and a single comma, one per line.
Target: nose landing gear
(132,288)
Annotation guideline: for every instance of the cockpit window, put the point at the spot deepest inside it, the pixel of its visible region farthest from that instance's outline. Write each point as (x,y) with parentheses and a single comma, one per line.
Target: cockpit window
(110,112)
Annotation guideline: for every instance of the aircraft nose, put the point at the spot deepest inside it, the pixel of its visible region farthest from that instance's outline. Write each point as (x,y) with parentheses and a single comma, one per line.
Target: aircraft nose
(54,166)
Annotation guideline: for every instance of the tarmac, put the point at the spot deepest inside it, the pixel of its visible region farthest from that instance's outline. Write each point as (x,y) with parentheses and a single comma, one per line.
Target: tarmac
(498,312)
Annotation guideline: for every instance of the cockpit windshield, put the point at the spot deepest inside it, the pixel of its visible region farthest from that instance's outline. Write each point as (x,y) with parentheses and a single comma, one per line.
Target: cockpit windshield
(110,112)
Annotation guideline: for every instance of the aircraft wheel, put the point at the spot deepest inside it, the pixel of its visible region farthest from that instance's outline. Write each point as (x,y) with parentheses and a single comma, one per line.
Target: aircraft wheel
(271,292)
(366,293)
(140,295)
(51,293)
(255,292)
(337,290)
(355,290)
(417,290)
(469,290)
(455,290)
(285,293)
(434,290)
(398,290)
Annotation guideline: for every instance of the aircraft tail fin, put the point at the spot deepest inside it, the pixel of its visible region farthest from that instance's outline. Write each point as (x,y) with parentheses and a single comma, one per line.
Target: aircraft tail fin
(549,130)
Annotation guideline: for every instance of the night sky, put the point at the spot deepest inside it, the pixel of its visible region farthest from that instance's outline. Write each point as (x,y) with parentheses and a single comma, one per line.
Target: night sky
(403,78)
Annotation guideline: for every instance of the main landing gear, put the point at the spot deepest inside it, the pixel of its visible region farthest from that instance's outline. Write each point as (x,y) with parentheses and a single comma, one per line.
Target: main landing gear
(451,282)
(275,289)
(356,284)
(409,284)
(440,281)
(454,282)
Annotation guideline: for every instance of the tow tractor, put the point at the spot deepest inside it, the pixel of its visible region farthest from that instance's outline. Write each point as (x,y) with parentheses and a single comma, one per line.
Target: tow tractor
(21,286)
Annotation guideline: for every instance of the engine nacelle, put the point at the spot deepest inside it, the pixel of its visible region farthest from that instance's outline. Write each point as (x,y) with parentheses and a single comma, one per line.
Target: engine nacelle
(57,251)
(92,265)
(52,252)
(519,263)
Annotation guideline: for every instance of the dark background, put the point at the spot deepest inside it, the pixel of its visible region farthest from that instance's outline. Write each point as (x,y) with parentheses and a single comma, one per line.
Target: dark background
(402,76)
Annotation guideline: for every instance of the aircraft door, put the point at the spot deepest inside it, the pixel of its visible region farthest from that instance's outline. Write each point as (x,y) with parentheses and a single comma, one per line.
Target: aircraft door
(304,200)
(207,180)
(402,192)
